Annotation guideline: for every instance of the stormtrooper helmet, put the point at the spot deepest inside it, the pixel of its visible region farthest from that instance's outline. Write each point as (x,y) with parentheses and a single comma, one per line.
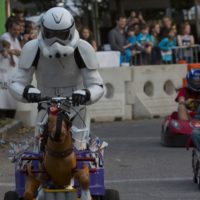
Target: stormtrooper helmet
(58,36)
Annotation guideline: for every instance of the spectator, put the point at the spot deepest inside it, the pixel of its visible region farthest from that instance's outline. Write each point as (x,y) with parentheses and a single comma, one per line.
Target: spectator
(5,52)
(130,48)
(144,44)
(155,32)
(18,13)
(166,26)
(30,32)
(155,38)
(21,35)
(11,36)
(141,18)
(10,52)
(186,41)
(135,18)
(137,29)
(86,34)
(166,45)
(116,37)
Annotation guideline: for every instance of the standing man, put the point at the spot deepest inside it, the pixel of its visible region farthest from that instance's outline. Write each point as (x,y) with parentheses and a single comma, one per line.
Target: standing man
(116,37)
(9,57)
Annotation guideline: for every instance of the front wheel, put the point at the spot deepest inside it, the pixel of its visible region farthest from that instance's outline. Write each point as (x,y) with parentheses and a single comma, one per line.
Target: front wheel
(11,195)
(111,195)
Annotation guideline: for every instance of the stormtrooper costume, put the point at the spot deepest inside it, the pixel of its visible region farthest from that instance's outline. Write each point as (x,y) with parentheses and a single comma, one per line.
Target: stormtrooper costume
(63,64)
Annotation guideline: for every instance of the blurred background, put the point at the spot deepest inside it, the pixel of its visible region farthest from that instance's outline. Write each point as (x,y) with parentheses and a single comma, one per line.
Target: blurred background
(100,14)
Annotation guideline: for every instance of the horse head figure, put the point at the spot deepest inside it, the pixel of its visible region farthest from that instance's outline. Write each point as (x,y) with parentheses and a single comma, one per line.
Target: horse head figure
(59,152)
(59,161)
(58,129)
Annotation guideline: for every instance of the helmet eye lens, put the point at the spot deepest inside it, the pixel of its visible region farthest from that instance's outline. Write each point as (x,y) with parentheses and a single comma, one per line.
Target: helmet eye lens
(61,34)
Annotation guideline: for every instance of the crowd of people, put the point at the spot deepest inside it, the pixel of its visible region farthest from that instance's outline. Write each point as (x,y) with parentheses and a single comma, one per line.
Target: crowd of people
(138,41)
(18,32)
(153,42)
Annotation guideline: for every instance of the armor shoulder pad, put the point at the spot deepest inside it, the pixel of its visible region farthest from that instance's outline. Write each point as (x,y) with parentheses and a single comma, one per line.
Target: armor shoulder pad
(29,54)
(85,56)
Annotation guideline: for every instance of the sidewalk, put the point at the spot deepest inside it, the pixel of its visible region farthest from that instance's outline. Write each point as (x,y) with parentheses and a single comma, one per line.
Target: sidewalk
(9,130)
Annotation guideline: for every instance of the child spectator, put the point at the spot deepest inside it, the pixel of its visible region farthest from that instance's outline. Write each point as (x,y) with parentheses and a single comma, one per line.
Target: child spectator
(86,34)
(144,44)
(6,52)
(166,45)
(155,38)
(30,32)
(186,41)
(130,48)
(166,26)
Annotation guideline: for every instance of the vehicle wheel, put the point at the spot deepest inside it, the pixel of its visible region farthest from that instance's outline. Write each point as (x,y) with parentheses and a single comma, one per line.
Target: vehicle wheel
(198,182)
(195,180)
(111,195)
(198,178)
(170,140)
(11,195)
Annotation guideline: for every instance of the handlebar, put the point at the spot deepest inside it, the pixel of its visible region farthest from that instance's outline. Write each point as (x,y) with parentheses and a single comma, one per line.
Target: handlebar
(56,99)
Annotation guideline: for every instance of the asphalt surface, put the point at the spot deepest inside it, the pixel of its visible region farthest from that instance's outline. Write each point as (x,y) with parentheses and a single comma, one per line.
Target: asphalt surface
(135,163)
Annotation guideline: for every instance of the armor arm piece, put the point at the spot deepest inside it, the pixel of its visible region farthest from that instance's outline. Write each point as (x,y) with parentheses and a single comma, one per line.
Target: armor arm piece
(85,56)
(28,55)
(94,83)
(24,74)
(20,80)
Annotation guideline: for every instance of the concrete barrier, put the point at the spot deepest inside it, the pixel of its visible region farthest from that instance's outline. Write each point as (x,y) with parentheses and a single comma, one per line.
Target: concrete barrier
(113,105)
(153,89)
(131,92)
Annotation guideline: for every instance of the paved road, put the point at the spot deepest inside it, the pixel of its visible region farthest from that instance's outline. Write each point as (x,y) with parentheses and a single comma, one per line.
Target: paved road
(136,164)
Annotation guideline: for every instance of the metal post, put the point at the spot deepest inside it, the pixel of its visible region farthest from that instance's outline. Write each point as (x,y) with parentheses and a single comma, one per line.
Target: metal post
(98,40)
(7,7)
(95,21)
(196,4)
(94,25)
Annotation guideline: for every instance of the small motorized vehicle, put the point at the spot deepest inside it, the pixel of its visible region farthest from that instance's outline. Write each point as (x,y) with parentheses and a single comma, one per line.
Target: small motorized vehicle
(92,157)
(176,132)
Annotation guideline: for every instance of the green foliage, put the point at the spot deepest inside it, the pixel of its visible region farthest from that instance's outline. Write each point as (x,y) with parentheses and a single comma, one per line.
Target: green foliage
(2,16)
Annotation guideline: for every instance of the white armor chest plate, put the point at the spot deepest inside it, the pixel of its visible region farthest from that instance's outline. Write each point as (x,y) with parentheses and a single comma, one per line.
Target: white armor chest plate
(58,76)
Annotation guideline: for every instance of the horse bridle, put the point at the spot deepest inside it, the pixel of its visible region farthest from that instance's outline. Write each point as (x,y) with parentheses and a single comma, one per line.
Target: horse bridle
(60,117)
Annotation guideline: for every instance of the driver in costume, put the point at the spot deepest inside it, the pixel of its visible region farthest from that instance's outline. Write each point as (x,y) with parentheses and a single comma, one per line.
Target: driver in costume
(64,65)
